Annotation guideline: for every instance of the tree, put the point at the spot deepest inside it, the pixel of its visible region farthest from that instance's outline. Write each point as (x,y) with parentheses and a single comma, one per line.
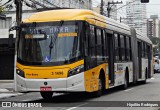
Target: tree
(1,9)
(2,16)
(155,40)
(156,43)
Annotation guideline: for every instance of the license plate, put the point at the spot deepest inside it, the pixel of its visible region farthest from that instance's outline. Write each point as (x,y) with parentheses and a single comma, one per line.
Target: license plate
(45,88)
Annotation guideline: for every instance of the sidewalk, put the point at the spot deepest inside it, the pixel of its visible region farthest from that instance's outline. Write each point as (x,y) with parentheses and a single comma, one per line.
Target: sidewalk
(6,90)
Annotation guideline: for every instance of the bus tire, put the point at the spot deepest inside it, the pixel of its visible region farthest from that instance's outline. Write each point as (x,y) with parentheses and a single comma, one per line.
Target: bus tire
(125,85)
(100,89)
(47,95)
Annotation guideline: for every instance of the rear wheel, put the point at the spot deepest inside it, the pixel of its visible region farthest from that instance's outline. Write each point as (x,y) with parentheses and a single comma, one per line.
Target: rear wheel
(46,95)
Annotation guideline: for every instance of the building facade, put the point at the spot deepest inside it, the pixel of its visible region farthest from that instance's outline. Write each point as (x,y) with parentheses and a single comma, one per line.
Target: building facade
(136,15)
(153,26)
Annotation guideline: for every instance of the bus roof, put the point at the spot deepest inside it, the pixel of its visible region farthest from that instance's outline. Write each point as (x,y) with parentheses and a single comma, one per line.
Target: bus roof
(63,14)
(83,14)
(78,14)
(143,37)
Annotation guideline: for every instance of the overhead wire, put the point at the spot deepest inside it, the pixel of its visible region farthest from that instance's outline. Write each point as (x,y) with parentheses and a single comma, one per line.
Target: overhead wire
(50,3)
(95,1)
(125,5)
(6,3)
(30,5)
(38,3)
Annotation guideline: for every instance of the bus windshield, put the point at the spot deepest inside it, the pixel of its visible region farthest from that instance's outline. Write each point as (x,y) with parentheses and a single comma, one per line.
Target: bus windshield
(49,43)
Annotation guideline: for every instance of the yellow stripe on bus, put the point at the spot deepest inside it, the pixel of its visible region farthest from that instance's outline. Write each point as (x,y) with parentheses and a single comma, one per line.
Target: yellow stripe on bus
(67,34)
(119,72)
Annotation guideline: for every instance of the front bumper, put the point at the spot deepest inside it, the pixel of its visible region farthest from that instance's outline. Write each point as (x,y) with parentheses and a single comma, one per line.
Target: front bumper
(71,84)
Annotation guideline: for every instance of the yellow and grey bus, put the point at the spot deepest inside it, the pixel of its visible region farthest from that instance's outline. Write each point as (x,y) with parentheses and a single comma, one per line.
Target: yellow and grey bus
(75,50)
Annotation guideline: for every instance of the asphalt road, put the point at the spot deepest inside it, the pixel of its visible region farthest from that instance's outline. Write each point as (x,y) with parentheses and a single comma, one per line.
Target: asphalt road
(113,99)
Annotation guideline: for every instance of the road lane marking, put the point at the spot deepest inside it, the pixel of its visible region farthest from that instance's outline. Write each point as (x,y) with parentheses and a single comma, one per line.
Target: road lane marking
(152,78)
(128,89)
(28,100)
(76,106)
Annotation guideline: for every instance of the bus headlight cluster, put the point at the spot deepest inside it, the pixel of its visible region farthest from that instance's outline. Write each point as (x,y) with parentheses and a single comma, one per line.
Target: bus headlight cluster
(20,72)
(76,70)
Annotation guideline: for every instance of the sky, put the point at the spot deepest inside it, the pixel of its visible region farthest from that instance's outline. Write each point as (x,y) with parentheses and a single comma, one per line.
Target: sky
(153,7)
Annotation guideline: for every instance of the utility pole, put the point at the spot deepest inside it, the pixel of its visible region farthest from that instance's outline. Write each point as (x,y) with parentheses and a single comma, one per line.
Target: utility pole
(69,3)
(109,7)
(101,7)
(18,4)
(90,4)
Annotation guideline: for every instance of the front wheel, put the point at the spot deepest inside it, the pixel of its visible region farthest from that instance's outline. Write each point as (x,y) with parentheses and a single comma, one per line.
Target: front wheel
(46,95)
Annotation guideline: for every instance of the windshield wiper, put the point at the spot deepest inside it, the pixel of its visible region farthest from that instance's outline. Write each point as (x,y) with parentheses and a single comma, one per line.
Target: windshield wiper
(51,45)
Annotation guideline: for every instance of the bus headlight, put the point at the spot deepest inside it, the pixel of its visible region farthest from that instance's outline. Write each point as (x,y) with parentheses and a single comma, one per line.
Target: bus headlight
(20,72)
(76,70)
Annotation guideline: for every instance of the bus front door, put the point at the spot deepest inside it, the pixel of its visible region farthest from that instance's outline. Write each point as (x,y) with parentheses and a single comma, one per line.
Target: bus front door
(110,48)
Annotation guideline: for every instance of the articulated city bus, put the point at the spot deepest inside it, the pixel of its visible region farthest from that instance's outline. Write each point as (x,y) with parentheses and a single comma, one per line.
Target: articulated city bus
(74,50)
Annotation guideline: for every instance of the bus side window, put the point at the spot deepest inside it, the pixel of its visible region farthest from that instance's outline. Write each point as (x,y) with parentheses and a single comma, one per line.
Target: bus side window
(143,50)
(92,41)
(146,51)
(127,49)
(99,43)
(86,40)
(149,51)
(122,47)
(116,45)
(130,51)
(105,51)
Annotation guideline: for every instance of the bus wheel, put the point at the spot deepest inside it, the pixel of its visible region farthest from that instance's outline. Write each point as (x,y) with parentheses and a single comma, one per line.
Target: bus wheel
(100,89)
(46,95)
